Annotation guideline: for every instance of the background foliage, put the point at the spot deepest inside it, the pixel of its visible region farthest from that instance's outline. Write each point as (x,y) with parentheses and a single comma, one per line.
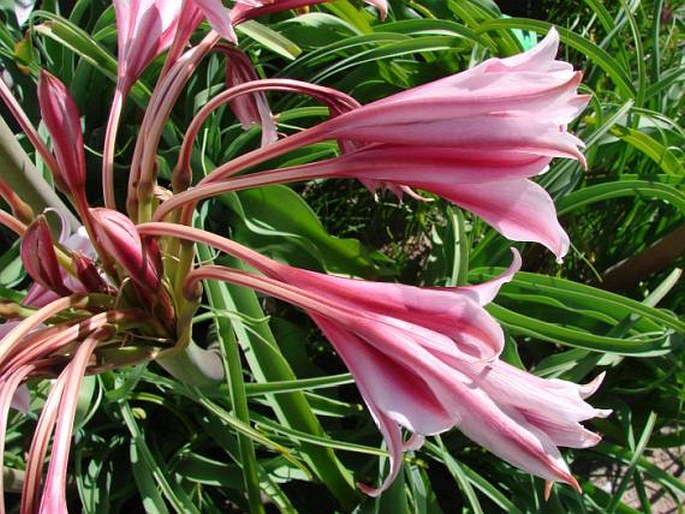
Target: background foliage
(146,442)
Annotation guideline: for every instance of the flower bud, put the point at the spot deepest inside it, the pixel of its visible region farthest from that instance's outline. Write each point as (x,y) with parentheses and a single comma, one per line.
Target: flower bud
(39,257)
(62,119)
(118,236)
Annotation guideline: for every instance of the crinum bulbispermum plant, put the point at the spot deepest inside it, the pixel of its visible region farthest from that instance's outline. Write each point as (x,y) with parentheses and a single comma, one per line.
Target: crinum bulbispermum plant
(124,287)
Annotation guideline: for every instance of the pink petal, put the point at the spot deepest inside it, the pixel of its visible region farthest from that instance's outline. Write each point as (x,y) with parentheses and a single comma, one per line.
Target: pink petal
(218,17)
(519,209)
(249,108)
(485,292)
(145,29)
(427,313)
(394,396)
(521,104)
(397,164)
(447,386)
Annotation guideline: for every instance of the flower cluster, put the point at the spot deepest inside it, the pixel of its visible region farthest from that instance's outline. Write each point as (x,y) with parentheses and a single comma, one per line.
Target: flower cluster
(424,359)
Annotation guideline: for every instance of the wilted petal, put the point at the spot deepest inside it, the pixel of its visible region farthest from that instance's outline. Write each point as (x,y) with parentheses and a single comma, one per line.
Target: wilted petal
(250,108)
(21,399)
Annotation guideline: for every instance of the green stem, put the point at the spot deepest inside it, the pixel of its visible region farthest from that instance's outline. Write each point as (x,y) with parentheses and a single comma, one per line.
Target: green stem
(20,173)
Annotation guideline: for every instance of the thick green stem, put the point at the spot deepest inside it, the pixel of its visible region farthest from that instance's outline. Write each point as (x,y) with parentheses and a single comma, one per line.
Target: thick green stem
(194,366)
(19,172)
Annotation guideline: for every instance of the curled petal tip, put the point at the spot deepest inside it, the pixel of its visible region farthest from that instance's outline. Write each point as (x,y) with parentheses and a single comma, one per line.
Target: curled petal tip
(603,413)
(368,490)
(591,387)
(414,442)
(382,7)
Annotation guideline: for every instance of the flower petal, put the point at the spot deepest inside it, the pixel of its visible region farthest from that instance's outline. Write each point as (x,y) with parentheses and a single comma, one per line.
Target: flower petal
(519,209)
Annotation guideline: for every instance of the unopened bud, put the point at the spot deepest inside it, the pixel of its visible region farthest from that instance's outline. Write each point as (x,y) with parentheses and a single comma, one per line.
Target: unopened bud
(119,237)
(39,257)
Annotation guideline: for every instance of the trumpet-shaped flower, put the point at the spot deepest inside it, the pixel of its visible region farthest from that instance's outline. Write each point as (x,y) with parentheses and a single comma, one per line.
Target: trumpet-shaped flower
(521,103)
(146,28)
(415,370)
(473,138)
(423,359)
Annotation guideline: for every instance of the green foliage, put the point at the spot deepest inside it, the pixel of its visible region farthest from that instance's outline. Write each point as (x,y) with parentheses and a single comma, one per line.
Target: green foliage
(287,426)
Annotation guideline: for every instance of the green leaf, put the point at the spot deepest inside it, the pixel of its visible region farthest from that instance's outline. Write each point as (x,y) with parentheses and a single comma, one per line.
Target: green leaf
(150,496)
(78,41)
(316,29)
(659,153)
(457,473)
(276,221)
(579,312)
(626,188)
(270,39)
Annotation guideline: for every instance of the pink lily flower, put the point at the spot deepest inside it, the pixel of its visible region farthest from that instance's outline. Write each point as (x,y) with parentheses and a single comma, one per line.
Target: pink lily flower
(146,28)
(414,373)
(424,359)
(521,103)
(473,138)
